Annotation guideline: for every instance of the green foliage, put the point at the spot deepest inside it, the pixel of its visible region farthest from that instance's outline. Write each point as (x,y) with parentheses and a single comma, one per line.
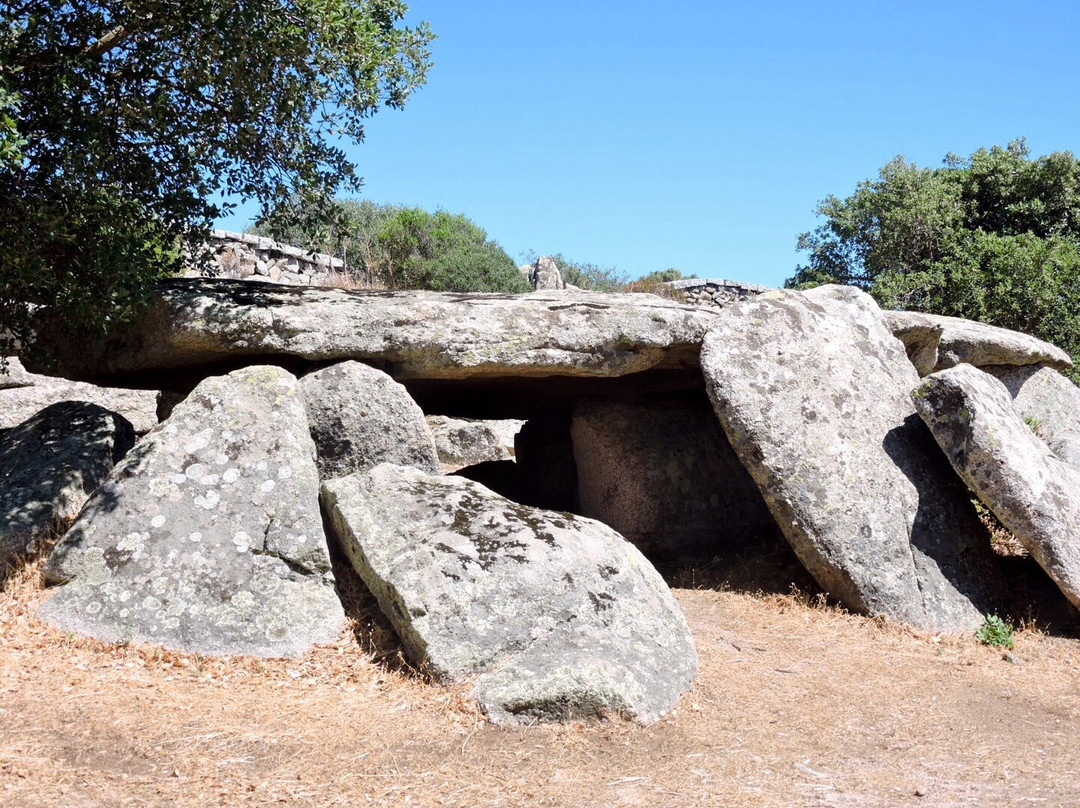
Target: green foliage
(445,252)
(120,121)
(994,237)
(996,633)
(661,276)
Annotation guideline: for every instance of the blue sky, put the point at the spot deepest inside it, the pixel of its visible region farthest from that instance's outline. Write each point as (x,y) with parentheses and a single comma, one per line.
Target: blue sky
(700,135)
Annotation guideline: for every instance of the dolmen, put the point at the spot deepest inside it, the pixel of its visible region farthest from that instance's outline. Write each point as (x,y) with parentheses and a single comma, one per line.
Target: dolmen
(318,424)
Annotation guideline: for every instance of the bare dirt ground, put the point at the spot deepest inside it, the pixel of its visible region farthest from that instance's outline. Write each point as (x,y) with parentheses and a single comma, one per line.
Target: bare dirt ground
(796,703)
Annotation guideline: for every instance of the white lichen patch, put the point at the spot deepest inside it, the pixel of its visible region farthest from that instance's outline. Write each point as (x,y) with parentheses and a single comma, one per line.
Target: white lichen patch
(230,476)
(285,472)
(195,536)
(158,521)
(209,501)
(199,441)
(267,486)
(194,471)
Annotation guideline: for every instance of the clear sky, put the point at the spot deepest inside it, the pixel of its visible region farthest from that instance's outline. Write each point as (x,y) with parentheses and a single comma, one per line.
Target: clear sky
(700,135)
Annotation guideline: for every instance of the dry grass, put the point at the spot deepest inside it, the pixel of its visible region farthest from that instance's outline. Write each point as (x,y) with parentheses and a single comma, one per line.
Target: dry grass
(796,703)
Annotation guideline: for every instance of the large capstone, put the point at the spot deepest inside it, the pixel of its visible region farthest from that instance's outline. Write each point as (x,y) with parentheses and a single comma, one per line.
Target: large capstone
(207,537)
(935,342)
(201,324)
(557,615)
(1031,491)
(813,391)
(49,466)
(360,417)
(662,473)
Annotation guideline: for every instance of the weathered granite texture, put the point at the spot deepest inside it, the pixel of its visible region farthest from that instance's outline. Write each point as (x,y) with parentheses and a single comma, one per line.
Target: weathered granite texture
(813,391)
(22,394)
(557,615)
(207,537)
(1031,491)
(662,473)
(463,442)
(934,342)
(360,417)
(418,335)
(49,466)
(1050,404)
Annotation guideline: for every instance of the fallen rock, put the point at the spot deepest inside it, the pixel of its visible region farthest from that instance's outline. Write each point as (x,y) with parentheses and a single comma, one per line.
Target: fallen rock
(22,394)
(935,342)
(662,473)
(360,417)
(813,391)
(556,614)
(49,466)
(199,324)
(1049,403)
(463,442)
(207,537)
(1034,494)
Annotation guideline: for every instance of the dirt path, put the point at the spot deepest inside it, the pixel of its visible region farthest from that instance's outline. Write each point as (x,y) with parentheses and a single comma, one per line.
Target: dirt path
(794,705)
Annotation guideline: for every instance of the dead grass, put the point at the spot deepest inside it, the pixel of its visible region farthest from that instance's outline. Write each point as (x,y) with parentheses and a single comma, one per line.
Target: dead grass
(796,703)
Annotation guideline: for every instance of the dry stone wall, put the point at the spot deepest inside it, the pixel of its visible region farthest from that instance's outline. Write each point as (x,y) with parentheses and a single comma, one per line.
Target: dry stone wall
(257,258)
(715,291)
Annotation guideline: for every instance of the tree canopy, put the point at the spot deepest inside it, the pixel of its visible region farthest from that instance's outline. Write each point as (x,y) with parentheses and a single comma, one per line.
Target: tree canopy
(122,121)
(993,237)
(403,247)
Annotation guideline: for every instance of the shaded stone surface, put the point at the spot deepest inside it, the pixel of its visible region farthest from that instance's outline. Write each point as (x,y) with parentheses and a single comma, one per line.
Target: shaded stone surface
(207,537)
(202,324)
(1034,494)
(464,442)
(22,394)
(1050,404)
(662,473)
(360,417)
(935,342)
(557,615)
(813,391)
(49,466)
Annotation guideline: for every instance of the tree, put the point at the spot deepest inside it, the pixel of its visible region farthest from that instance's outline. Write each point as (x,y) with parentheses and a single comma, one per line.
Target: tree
(120,120)
(445,252)
(994,237)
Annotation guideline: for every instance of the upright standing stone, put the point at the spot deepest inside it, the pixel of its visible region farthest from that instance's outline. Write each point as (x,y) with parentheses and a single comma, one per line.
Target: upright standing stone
(663,474)
(50,464)
(1034,494)
(360,417)
(207,538)
(813,391)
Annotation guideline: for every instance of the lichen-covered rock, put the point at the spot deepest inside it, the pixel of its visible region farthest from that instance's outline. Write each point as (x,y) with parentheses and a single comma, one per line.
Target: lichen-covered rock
(935,342)
(360,417)
(22,394)
(1032,492)
(463,442)
(49,466)
(1050,404)
(207,537)
(197,324)
(557,614)
(813,391)
(662,473)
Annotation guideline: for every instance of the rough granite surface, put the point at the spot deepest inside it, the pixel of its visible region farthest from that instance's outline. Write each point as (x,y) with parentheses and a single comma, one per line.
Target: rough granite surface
(935,342)
(207,537)
(1049,402)
(360,417)
(200,323)
(49,466)
(1034,493)
(557,615)
(662,473)
(813,391)
(22,394)
(463,442)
